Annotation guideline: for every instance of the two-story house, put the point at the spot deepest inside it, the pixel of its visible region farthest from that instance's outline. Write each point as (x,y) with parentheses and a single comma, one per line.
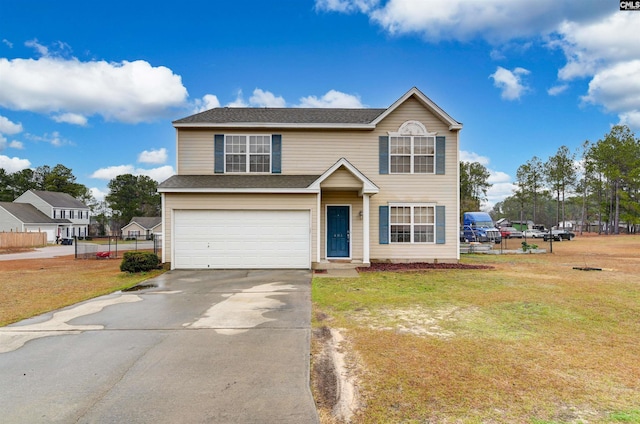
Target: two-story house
(70,214)
(304,188)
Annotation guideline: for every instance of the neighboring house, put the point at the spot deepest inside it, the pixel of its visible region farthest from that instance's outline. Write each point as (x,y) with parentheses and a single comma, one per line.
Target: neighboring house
(71,214)
(305,188)
(25,218)
(145,227)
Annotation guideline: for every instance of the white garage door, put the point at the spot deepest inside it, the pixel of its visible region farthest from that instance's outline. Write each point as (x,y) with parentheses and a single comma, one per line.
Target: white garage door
(223,239)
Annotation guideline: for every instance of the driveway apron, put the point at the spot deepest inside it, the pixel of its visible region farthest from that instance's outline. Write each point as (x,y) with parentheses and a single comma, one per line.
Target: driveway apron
(188,347)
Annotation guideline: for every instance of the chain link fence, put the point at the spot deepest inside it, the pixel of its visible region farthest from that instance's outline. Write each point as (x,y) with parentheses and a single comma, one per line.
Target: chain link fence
(114,247)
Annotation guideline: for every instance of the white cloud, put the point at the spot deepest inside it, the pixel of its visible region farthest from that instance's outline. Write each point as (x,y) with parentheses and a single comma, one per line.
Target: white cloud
(239,101)
(498,192)
(98,194)
(126,91)
(42,50)
(493,20)
(259,98)
(14,164)
(158,174)
(592,46)
(208,101)
(7,43)
(55,139)
(153,156)
(473,157)
(332,99)
(111,172)
(498,177)
(14,144)
(557,89)
(8,127)
(631,119)
(71,118)
(346,6)
(510,82)
(262,98)
(618,89)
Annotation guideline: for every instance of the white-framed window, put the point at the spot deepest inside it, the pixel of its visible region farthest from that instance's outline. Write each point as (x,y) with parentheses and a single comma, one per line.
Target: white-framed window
(247,153)
(412,223)
(412,154)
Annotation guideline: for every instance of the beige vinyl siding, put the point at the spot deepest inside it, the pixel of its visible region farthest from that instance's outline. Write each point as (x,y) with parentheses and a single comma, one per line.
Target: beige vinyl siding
(190,201)
(133,227)
(341,179)
(343,198)
(195,152)
(314,151)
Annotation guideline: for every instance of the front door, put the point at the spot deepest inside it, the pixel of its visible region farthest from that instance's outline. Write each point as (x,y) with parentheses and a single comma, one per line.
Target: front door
(338,231)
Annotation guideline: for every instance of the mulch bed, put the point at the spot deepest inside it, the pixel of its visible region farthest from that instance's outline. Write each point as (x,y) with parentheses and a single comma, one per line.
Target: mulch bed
(417,266)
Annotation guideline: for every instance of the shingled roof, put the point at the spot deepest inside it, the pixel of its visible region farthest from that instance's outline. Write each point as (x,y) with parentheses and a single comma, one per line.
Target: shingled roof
(235,115)
(277,181)
(59,200)
(28,214)
(147,222)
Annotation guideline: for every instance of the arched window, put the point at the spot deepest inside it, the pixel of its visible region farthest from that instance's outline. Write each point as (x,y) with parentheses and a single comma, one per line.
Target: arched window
(412,149)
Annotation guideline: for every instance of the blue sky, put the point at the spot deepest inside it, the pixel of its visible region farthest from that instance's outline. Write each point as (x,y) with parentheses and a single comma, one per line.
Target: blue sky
(95,85)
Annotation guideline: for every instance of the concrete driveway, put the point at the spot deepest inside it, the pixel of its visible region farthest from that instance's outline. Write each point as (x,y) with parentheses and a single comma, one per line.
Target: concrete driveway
(194,347)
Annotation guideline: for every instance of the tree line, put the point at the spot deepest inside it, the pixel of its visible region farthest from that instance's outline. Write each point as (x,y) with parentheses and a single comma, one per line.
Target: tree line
(129,195)
(598,185)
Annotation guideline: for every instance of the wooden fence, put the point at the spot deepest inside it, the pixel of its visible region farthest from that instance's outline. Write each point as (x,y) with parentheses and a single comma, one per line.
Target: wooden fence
(17,240)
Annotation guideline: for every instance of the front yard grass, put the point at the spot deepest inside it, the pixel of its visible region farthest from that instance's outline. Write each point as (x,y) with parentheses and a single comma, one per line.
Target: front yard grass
(34,286)
(530,341)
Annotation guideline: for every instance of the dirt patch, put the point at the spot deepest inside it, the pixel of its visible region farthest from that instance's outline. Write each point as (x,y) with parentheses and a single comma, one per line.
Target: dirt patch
(334,376)
(417,321)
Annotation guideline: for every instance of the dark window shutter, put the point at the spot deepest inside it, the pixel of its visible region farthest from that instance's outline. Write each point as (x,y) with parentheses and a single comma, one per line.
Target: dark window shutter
(440,147)
(384,224)
(383,142)
(276,153)
(218,150)
(440,225)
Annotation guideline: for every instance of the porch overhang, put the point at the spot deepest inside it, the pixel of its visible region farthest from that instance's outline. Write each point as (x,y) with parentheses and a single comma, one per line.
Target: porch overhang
(367,186)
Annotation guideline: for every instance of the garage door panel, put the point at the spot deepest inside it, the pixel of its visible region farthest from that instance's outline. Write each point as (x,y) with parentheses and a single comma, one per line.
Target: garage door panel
(242,239)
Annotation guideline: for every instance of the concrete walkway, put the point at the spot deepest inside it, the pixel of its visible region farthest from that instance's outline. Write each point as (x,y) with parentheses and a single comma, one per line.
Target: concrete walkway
(193,347)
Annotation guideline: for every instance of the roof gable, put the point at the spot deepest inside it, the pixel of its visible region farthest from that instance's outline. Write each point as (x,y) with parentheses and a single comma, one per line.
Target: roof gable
(368,187)
(427,103)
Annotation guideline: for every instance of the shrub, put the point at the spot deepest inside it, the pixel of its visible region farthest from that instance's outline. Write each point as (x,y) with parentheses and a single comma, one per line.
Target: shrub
(139,262)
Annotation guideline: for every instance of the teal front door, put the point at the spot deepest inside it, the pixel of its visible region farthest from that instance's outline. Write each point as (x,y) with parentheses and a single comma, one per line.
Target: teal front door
(338,231)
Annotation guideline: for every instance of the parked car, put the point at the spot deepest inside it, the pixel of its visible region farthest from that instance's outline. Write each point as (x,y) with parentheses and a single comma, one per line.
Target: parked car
(533,234)
(559,235)
(510,232)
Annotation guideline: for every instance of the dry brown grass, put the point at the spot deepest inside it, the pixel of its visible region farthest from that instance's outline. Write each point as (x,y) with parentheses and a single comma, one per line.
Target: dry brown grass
(531,341)
(33,286)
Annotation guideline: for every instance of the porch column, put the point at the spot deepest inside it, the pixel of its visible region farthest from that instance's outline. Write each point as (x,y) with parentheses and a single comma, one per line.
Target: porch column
(365,229)
(318,229)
